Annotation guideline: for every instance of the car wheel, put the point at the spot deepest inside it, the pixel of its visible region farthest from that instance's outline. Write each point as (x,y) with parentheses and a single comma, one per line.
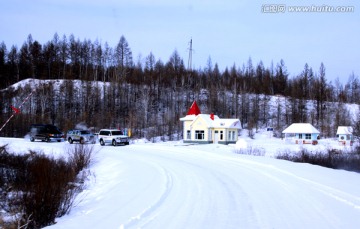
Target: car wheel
(32,139)
(114,143)
(102,142)
(70,141)
(82,141)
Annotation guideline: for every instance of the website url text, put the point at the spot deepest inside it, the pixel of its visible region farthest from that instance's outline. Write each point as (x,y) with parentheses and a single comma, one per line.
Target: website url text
(282,8)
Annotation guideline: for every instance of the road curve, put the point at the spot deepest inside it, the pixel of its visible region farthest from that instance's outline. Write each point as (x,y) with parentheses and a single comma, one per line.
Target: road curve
(168,186)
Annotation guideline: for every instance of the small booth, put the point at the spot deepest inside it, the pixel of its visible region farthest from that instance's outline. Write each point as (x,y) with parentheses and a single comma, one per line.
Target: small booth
(344,135)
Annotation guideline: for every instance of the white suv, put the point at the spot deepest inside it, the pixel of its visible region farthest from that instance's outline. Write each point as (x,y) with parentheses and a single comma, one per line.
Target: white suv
(112,136)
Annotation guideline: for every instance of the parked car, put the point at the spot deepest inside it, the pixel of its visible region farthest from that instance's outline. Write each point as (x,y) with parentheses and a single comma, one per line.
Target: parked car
(45,132)
(112,136)
(81,136)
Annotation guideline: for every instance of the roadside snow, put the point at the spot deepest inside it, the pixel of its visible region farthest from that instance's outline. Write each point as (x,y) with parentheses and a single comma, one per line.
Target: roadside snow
(174,185)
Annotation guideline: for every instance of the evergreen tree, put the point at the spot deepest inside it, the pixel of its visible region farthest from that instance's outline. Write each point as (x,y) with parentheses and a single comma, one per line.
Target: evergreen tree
(123,56)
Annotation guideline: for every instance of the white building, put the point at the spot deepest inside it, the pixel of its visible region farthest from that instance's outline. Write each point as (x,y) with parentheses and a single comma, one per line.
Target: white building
(345,135)
(209,128)
(302,133)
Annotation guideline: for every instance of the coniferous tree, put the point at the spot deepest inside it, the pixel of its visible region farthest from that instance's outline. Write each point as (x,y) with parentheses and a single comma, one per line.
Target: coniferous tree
(3,67)
(280,79)
(320,90)
(243,93)
(25,60)
(123,56)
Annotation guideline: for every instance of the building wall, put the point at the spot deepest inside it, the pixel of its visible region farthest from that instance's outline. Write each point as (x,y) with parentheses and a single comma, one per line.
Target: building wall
(209,134)
(223,135)
(197,142)
(301,138)
(345,137)
(229,135)
(186,127)
(199,127)
(306,136)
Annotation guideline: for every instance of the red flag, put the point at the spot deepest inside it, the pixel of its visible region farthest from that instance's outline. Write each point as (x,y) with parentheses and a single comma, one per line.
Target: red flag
(16,110)
(212,116)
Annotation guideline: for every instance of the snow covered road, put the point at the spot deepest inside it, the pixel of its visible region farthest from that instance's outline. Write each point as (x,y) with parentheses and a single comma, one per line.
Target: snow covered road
(209,186)
(161,186)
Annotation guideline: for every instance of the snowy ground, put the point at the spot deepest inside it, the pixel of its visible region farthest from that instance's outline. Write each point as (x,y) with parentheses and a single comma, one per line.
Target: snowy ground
(173,185)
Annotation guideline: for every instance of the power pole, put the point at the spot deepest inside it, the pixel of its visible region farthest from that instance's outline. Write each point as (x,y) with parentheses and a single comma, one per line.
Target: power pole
(190,56)
(189,78)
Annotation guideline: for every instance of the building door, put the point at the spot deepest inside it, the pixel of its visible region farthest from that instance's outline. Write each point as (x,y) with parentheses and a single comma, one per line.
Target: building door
(216,137)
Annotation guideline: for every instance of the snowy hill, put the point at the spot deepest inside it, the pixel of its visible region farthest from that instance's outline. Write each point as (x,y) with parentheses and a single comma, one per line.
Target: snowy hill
(152,112)
(173,185)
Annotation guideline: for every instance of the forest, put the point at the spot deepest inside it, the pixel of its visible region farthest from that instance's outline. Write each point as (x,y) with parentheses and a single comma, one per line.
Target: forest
(90,83)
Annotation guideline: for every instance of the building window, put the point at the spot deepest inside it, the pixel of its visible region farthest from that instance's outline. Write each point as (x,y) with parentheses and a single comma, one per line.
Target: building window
(199,134)
(231,135)
(221,135)
(307,136)
(188,134)
(300,136)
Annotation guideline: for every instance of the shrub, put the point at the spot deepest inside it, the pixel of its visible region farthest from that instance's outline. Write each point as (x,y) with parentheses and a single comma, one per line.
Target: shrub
(35,188)
(250,150)
(80,156)
(331,158)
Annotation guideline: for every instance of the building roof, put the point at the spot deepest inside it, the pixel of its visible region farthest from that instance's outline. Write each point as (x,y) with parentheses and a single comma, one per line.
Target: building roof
(226,123)
(194,109)
(214,123)
(188,118)
(207,119)
(301,128)
(211,120)
(344,130)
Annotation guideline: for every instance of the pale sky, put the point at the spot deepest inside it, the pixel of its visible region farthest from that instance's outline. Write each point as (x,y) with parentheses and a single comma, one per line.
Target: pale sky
(228,31)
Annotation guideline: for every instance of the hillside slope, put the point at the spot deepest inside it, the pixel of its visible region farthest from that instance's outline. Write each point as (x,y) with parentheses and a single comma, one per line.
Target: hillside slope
(155,111)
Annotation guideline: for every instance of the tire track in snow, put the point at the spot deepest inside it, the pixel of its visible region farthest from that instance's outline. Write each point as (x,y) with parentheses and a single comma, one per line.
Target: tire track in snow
(253,215)
(149,214)
(338,195)
(274,173)
(295,190)
(231,207)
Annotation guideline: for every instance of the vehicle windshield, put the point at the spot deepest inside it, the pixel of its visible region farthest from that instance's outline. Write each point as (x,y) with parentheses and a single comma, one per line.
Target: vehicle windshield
(118,132)
(52,129)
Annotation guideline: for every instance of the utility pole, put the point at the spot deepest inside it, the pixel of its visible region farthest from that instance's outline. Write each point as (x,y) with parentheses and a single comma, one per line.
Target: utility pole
(190,56)
(189,80)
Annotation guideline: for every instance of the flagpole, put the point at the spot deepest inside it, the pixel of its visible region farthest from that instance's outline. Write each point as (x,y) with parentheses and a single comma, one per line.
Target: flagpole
(16,110)
(7,121)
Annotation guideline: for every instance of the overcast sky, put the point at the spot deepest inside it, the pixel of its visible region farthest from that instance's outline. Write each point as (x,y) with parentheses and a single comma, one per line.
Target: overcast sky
(228,31)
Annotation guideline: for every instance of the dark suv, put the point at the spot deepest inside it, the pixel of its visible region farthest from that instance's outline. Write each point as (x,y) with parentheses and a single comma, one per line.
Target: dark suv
(45,132)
